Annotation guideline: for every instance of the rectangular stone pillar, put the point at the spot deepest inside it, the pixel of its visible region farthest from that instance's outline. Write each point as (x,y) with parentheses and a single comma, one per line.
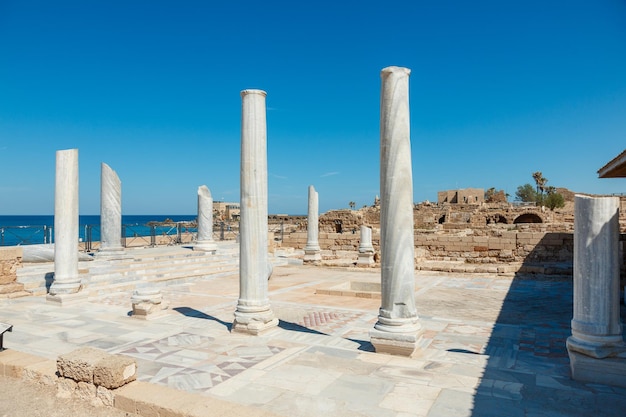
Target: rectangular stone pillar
(66,282)
(398,329)
(596,348)
(254,313)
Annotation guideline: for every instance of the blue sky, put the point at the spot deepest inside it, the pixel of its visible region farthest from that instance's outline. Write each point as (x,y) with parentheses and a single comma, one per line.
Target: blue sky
(498,90)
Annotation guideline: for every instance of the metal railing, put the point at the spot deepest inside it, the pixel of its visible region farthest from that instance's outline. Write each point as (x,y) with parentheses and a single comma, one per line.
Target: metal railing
(25,235)
(133,235)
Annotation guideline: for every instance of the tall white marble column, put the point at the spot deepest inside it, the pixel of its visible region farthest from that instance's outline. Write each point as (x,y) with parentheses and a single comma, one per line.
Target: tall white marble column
(253,314)
(398,329)
(205,240)
(596,326)
(312,251)
(110,214)
(66,278)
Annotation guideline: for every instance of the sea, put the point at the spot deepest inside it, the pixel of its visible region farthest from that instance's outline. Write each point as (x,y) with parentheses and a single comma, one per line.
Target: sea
(30,230)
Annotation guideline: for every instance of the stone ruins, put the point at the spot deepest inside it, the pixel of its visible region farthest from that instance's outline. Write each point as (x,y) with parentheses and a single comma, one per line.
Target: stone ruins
(394,234)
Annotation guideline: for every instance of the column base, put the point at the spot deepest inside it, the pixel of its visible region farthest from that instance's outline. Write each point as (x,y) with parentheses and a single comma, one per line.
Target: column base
(65,286)
(205,246)
(254,323)
(365,259)
(399,344)
(608,371)
(312,255)
(148,304)
(396,336)
(63,300)
(600,348)
(112,254)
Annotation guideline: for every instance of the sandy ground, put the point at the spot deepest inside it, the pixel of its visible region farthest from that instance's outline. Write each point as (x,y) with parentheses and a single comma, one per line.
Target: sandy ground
(21,398)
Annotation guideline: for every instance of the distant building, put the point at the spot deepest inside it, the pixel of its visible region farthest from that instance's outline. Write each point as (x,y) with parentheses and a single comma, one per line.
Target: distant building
(226,211)
(462,196)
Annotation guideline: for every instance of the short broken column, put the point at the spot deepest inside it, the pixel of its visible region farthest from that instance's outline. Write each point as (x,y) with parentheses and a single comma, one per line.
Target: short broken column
(110,214)
(254,313)
(205,240)
(312,251)
(366,249)
(397,330)
(148,303)
(596,347)
(67,283)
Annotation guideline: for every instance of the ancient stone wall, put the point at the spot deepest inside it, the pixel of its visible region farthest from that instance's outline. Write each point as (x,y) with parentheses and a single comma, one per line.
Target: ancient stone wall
(10,261)
(497,246)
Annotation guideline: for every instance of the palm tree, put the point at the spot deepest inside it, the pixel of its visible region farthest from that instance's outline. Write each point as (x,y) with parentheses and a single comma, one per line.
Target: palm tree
(352,204)
(541,181)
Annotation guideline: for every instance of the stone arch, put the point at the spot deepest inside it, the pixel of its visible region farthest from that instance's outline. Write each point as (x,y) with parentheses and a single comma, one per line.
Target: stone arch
(497,218)
(528,218)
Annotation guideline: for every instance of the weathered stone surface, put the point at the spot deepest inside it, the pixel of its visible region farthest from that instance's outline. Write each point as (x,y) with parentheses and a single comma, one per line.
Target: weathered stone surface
(97,367)
(66,387)
(114,371)
(80,363)
(10,262)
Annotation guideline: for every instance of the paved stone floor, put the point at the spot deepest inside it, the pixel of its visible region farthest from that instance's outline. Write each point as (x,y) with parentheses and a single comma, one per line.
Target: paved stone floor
(492,346)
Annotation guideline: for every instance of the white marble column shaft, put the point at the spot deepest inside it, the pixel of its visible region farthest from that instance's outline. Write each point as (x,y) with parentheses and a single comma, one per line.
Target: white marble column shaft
(366,249)
(253,314)
(110,213)
(66,278)
(596,326)
(398,325)
(365,245)
(312,251)
(205,240)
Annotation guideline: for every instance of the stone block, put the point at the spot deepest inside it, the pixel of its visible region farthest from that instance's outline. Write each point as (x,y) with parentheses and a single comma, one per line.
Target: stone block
(11,288)
(114,371)
(66,387)
(85,391)
(98,367)
(12,362)
(9,253)
(608,371)
(399,344)
(44,372)
(106,396)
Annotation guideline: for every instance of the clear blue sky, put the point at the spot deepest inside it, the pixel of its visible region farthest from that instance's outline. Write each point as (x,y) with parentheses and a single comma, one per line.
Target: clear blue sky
(498,90)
